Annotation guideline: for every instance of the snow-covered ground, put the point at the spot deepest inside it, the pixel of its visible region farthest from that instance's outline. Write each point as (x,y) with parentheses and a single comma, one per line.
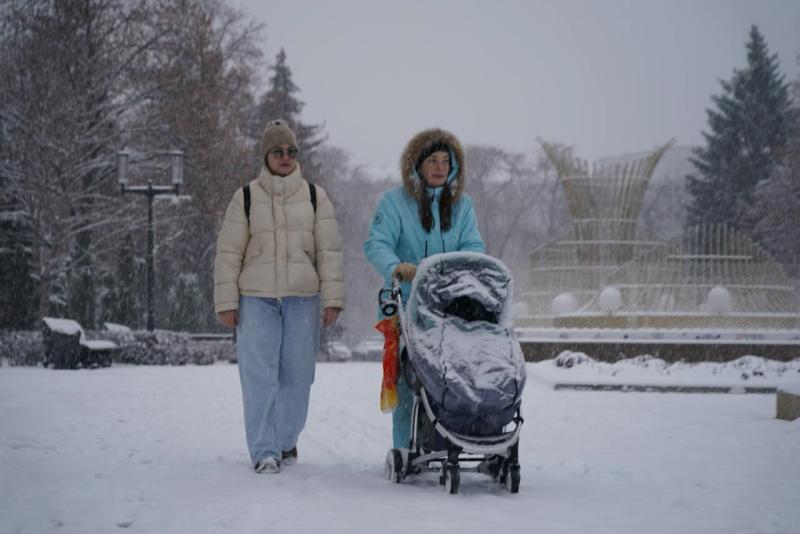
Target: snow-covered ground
(161,450)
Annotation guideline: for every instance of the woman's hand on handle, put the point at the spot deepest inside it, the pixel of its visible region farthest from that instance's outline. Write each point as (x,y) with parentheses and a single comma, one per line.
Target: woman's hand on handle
(405,271)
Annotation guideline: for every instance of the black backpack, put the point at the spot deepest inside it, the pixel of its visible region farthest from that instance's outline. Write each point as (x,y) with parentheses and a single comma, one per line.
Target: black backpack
(246,190)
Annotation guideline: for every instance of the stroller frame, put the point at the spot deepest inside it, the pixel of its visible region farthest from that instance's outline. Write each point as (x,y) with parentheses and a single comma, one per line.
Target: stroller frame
(494,455)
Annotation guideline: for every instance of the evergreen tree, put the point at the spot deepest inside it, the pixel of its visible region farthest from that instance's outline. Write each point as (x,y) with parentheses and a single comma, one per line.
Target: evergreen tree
(18,299)
(748,132)
(778,200)
(121,302)
(280,102)
(187,305)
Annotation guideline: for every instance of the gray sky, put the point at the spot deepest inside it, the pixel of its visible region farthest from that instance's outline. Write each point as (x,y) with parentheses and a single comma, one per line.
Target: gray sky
(609,77)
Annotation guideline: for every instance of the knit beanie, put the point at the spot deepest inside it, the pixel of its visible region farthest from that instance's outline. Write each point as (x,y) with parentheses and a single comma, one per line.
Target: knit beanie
(275,134)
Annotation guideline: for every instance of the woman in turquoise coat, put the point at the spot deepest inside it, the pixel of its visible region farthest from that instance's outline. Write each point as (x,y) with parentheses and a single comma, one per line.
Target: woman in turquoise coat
(429,214)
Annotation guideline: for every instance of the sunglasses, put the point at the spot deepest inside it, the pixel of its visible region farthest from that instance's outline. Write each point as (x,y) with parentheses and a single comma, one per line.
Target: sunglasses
(278,153)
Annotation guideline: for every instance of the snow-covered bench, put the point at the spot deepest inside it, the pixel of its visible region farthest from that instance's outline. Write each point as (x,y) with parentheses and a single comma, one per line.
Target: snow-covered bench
(66,346)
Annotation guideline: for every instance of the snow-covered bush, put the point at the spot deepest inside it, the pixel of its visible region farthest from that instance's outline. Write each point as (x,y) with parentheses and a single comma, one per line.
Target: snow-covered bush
(21,347)
(159,347)
(571,359)
(137,347)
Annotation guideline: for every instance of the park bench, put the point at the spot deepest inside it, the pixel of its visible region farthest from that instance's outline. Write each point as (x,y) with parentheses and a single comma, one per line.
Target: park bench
(66,346)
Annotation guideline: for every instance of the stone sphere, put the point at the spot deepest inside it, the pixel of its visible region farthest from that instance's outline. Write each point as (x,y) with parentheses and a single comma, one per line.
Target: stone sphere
(610,299)
(719,300)
(564,303)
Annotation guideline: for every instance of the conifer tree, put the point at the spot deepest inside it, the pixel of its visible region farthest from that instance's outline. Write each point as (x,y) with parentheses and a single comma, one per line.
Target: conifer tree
(748,132)
(187,305)
(280,101)
(121,304)
(778,199)
(18,300)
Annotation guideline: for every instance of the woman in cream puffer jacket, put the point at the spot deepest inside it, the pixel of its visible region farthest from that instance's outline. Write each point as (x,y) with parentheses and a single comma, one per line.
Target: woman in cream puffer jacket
(271,275)
(285,250)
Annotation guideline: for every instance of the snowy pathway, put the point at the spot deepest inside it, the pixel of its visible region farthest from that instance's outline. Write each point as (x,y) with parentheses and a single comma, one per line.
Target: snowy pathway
(161,450)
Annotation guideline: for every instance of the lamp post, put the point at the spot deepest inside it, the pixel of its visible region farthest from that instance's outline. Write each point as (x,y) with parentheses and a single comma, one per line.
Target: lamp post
(150,191)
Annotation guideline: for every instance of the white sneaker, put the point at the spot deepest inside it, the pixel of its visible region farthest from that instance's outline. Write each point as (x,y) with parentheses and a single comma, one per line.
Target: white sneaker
(289,457)
(269,465)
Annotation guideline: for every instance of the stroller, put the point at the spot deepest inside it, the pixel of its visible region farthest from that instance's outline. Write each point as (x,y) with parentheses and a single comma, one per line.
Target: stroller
(466,369)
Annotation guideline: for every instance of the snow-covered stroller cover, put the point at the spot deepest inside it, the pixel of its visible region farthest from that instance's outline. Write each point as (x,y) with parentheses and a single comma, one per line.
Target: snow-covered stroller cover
(459,328)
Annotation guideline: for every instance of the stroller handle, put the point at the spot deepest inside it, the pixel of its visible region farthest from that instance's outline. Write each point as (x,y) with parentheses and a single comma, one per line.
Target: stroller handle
(396,281)
(390,299)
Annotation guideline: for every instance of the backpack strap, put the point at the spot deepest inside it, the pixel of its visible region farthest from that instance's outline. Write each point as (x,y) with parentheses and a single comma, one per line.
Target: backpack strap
(246,191)
(313,192)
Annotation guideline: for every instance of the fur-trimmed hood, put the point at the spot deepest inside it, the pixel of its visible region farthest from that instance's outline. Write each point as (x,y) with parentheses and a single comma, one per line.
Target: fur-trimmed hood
(416,146)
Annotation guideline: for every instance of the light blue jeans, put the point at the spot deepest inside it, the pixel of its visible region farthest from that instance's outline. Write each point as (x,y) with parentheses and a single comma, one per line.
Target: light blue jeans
(401,416)
(276,345)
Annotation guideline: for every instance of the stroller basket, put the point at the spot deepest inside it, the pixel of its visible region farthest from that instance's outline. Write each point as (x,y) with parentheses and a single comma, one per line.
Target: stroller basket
(491,444)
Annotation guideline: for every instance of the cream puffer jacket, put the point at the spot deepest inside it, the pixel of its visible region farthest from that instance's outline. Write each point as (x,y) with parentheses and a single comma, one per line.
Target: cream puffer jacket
(285,250)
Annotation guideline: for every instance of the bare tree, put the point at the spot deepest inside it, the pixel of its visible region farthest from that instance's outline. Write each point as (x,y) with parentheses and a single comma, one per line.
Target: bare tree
(80,80)
(354,195)
(203,77)
(516,200)
(65,93)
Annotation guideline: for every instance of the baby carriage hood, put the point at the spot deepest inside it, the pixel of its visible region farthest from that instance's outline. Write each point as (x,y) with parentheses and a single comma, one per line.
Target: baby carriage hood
(461,340)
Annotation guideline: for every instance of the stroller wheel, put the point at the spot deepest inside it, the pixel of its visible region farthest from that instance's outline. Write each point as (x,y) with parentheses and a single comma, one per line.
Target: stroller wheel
(393,467)
(452,478)
(512,478)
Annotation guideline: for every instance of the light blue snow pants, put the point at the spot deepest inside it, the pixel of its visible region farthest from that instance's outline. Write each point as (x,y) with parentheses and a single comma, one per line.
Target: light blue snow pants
(401,416)
(276,345)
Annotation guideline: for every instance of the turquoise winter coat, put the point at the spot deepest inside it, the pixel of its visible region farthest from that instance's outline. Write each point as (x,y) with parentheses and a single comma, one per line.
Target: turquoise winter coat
(397,236)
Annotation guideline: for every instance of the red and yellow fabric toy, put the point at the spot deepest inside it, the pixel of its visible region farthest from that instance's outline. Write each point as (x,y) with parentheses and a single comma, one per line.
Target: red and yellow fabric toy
(391,362)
